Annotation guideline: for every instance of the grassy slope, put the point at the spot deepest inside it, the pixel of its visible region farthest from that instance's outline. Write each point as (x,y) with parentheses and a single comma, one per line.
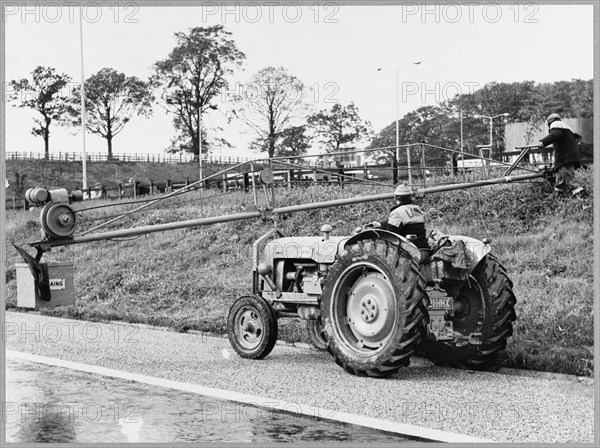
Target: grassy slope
(187,279)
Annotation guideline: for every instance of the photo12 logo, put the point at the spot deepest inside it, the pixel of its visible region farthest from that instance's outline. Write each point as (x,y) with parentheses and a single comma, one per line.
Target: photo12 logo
(319,92)
(437,92)
(268,12)
(56,412)
(469,12)
(230,412)
(69,12)
(53,332)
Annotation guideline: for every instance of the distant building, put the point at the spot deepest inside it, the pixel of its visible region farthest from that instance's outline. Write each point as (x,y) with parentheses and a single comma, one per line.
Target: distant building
(352,158)
(527,134)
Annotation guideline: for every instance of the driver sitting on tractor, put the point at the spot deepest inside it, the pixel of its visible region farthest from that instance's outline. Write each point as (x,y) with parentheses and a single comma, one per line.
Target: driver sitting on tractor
(406,218)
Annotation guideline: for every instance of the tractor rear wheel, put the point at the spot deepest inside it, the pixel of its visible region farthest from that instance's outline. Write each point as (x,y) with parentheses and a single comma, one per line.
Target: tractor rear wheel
(252,327)
(373,308)
(486,301)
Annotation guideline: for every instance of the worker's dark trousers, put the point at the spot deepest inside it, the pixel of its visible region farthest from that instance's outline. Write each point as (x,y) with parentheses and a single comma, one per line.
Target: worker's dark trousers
(565,178)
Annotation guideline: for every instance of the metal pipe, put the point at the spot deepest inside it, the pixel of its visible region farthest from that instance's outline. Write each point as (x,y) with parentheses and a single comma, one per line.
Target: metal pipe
(420,192)
(78,239)
(254,195)
(398,129)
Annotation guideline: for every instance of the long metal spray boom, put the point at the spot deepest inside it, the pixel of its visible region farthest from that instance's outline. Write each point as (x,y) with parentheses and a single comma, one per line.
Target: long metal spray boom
(79,239)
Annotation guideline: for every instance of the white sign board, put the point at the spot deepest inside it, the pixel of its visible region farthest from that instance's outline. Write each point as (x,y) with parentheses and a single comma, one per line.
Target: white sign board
(57,283)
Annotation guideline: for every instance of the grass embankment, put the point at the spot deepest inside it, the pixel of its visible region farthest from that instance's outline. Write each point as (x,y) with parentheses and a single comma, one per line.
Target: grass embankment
(187,279)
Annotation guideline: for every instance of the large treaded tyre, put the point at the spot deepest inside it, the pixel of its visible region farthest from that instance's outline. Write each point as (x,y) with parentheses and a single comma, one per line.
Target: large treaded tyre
(252,327)
(491,287)
(373,308)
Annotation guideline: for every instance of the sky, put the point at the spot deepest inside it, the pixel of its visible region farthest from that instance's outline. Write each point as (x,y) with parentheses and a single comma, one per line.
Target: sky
(335,50)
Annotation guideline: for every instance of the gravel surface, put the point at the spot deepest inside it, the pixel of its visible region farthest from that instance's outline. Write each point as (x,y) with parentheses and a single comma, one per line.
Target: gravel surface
(498,407)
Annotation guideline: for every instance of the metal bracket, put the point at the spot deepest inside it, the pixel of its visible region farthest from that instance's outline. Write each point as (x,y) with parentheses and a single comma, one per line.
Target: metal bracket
(525,150)
(39,271)
(266,214)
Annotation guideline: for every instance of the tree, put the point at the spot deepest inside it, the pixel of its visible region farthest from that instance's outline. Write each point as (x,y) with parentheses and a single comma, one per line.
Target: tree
(433,125)
(111,100)
(582,98)
(339,127)
(46,94)
(269,103)
(191,76)
(524,101)
(291,142)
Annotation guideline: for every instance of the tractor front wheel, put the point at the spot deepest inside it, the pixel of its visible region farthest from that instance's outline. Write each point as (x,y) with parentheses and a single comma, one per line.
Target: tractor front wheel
(373,308)
(252,327)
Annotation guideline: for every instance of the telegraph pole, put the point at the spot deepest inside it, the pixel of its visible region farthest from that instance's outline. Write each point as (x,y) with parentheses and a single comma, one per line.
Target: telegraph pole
(83,153)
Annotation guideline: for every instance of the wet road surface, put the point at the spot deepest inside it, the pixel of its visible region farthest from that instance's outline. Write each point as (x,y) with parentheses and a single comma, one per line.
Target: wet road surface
(48,404)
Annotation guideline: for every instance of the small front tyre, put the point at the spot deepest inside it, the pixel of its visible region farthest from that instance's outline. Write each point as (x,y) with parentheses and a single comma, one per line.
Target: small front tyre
(252,327)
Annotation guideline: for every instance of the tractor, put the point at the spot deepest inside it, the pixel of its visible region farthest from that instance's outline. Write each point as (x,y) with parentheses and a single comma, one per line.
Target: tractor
(373,299)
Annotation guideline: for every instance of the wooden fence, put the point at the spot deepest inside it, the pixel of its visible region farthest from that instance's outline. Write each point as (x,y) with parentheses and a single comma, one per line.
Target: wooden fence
(129,157)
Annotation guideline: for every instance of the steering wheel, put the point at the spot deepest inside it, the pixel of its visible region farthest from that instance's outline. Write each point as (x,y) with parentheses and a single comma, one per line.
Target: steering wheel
(368,226)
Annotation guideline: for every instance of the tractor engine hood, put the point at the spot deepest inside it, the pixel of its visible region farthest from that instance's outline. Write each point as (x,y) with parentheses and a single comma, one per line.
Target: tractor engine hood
(315,248)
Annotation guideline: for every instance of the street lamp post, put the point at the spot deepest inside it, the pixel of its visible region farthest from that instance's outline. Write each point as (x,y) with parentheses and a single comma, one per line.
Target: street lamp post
(200,163)
(492,124)
(398,123)
(82,92)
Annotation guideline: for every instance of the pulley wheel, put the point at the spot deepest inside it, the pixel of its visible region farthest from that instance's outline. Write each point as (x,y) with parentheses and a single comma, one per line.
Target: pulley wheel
(266,176)
(58,220)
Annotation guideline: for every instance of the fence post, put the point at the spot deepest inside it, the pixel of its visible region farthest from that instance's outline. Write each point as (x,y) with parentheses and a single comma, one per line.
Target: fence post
(246,182)
(315,175)
(152,185)
(341,172)
(290,174)
(224,180)
(253,184)
(120,191)
(365,170)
